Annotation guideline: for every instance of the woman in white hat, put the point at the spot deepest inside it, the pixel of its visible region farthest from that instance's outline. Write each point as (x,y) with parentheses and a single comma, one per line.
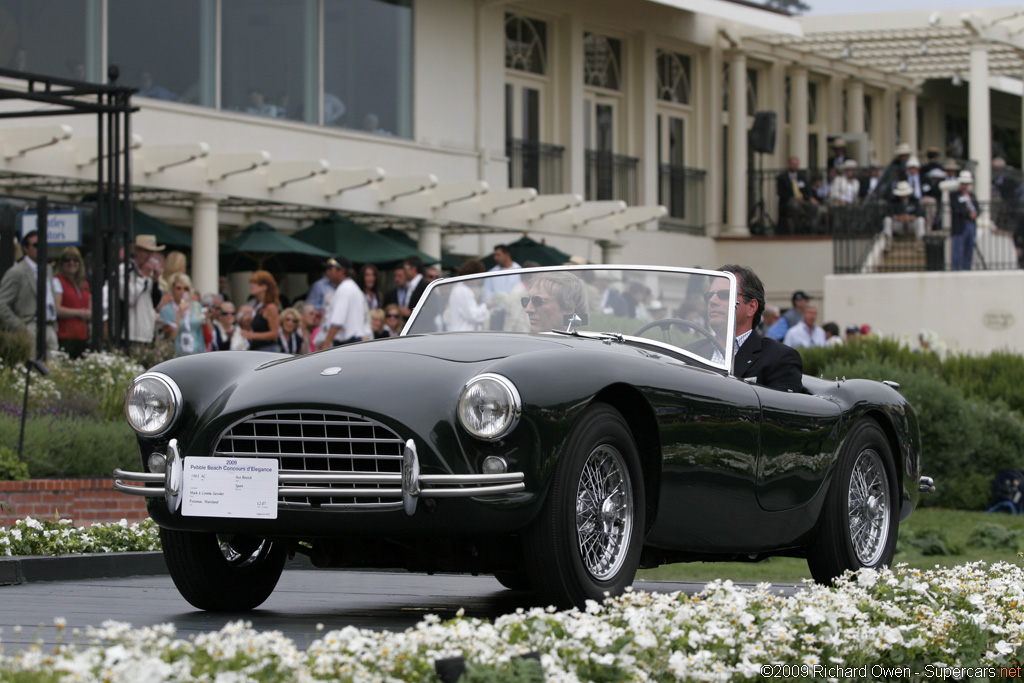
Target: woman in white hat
(964,208)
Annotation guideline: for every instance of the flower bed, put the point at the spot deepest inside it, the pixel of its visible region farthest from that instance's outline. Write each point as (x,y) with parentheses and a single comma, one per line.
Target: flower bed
(61,537)
(900,624)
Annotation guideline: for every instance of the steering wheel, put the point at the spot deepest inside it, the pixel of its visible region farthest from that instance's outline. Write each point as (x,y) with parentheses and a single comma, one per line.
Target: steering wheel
(666,324)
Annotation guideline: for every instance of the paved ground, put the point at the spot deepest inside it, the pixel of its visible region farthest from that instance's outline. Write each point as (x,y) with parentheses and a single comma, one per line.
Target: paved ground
(303,598)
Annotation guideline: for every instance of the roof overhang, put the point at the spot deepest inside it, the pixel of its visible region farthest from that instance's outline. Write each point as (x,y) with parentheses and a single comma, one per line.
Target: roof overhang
(740,14)
(918,45)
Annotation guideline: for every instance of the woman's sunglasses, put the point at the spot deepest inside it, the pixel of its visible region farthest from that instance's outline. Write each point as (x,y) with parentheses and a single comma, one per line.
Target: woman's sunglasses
(538,301)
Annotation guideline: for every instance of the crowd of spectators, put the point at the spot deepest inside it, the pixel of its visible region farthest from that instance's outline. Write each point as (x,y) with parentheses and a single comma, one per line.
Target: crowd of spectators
(901,196)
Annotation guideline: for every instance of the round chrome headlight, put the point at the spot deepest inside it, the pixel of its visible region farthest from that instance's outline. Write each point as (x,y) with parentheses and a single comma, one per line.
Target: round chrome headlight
(489,406)
(152,403)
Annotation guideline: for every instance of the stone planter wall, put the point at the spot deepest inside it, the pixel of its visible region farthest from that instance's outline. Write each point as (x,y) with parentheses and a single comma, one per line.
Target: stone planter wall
(82,500)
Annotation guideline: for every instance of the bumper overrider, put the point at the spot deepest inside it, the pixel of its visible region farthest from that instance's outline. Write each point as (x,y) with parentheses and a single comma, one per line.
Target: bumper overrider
(407,487)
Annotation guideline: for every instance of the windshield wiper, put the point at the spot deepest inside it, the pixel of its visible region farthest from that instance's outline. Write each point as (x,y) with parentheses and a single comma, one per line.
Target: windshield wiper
(612,336)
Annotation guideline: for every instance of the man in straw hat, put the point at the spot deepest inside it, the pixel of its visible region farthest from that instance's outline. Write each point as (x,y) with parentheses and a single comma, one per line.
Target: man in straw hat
(143,289)
(904,211)
(964,208)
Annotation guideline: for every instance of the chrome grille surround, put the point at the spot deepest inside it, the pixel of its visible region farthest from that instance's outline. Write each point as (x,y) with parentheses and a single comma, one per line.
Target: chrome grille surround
(315,449)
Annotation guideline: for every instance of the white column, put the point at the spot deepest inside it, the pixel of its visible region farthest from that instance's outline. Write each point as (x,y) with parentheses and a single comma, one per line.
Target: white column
(573,113)
(908,119)
(979,124)
(854,106)
(777,95)
(798,115)
(711,137)
(646,129)
(736,204)
(835,105)
(611,252)
(429,241)
(205,245)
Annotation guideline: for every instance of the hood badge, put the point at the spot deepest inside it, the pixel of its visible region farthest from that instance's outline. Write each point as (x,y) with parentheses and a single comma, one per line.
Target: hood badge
(330,372)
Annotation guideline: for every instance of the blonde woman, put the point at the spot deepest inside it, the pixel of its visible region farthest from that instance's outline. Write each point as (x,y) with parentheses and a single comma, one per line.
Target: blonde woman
(291,331)
(174,262)
(182,320)
(74,304)
(393,320)
(266,323)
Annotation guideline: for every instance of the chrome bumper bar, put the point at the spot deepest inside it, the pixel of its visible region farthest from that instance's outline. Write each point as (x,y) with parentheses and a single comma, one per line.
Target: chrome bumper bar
(926,485)
(408,486)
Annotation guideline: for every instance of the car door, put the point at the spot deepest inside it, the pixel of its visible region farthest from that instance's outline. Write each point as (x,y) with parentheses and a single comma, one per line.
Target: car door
(709,426)
(799,436)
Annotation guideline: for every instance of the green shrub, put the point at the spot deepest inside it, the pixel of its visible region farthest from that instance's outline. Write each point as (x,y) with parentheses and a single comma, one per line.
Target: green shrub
(15,348)
(12,469)
(995,536)
(73,446)
(928,542)
(965,441)
(1000,375)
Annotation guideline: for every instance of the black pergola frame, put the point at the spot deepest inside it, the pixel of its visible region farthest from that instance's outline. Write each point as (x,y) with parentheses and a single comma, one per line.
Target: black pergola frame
(113,215)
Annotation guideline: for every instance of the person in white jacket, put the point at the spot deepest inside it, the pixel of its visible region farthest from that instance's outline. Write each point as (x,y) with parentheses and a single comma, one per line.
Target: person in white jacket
(465,313)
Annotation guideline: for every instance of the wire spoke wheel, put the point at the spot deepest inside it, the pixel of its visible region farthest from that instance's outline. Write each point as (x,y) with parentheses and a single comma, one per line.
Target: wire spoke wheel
(859,519)
(870,511)
(586,541)
(604,512)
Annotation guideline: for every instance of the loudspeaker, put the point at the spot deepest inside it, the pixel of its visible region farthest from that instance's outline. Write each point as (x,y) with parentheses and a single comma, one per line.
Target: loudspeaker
(761,136)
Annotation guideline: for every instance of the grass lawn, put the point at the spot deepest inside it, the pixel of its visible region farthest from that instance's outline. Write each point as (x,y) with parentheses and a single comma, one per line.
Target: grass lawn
(928,531)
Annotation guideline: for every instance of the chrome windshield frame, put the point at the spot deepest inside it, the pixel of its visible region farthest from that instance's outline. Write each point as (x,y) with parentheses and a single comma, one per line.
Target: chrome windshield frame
(730,328)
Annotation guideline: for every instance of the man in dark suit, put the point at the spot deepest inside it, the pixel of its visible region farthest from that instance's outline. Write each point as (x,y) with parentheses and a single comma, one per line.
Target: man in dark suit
(756,359)
(798,205)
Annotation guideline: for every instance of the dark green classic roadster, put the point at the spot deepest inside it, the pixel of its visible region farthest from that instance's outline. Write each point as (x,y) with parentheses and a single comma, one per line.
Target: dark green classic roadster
(555,427)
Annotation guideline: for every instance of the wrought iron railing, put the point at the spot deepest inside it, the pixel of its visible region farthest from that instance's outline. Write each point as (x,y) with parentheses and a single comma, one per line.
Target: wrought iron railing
(860,244)
(535,164)
(611,176)
(681,191)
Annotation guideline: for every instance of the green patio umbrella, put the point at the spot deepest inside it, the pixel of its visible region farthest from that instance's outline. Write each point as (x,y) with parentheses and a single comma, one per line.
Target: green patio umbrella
(527,249)
(448,261)
(144,224)
(261,247)
(339,235)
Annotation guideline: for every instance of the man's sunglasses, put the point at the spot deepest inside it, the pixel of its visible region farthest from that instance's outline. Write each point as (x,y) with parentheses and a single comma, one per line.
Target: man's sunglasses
(538,301)
(723,295)
(31,245)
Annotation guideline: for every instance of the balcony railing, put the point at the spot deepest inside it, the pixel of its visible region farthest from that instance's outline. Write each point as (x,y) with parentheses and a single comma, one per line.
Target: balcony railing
(681,191)
(861,246)
(611,176)
(535,164)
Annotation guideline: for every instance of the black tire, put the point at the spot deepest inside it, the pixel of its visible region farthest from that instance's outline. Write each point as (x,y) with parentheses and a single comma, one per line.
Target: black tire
(513,580)
(222,573)
(587,539)
(860,519)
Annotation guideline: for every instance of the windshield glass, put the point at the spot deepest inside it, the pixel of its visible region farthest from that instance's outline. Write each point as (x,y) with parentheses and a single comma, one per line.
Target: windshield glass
(678,309)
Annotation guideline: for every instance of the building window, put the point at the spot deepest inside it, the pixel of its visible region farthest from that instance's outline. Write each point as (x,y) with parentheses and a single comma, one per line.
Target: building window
(812,103)
(51,37)
(157,46)
(752,98)
(602,61)
(368,65)
(269,58)
(526,44)
(674,82)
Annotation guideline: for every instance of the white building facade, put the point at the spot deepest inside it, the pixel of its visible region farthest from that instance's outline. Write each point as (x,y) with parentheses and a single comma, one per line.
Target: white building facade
(615,130)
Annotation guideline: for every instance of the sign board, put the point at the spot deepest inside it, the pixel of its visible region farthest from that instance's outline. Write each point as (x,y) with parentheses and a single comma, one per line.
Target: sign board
(244,488)
(63,227)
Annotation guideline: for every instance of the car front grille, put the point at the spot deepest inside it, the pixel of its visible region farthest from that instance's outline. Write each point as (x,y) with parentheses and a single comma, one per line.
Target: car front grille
(314,447)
